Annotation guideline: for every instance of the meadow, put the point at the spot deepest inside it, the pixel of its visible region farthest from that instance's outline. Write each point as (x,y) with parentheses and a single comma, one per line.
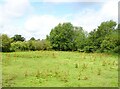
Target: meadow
(59,69)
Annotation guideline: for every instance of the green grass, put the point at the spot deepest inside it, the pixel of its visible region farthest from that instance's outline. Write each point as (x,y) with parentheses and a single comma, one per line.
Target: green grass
(59,69)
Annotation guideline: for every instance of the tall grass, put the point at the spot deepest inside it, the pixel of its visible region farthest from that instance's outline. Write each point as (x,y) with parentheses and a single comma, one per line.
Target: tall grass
(60,69)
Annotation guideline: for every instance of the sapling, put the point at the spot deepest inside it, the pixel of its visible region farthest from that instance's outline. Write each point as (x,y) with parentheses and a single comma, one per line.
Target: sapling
(85,78)
(79,76)
(38,74)
(85,66)
(103,63)
(26,73)
(99,72)
(76,65)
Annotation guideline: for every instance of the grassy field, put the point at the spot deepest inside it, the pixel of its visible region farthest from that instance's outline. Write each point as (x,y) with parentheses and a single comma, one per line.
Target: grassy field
(59,69)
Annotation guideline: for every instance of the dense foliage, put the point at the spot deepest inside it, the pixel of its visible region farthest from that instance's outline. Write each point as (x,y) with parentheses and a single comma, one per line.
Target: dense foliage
(66,37)
(6,41)
(18,38)
(100,39)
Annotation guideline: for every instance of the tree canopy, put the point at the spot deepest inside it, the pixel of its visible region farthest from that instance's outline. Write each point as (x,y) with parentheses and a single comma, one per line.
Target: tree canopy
(18,38)
(5,42)
(66,37)
(61,37)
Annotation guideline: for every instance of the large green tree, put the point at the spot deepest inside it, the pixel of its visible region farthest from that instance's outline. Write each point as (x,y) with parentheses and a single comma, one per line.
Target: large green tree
(17,38)
(67,37)
(79,38)
(61,37)
(104,29)
(6,41)
(111,42)
(97,36)
(32,38)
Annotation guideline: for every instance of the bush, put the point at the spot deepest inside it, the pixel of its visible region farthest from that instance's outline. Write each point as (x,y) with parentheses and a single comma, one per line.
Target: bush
(19,46)
(46,45)
(116,49)
(31,45)
(88,49)
(5,43)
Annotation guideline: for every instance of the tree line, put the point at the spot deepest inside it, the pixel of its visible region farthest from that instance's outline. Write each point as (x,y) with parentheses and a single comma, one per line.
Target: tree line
(66,37)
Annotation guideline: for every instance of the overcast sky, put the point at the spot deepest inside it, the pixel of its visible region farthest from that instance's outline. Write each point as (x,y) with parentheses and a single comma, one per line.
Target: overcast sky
(36,18)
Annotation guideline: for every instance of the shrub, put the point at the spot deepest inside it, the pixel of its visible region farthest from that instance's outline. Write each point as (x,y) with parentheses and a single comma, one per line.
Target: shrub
(116,49)
(19,46)
(89,49)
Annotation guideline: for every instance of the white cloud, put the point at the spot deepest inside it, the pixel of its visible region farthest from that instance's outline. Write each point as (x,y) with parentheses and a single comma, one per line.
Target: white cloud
(13,9)
(10,13)
(110,10)
(90,19)
(59,1)
(11,30)
(41,25)
(1,19)
(16,8)
(35,23)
